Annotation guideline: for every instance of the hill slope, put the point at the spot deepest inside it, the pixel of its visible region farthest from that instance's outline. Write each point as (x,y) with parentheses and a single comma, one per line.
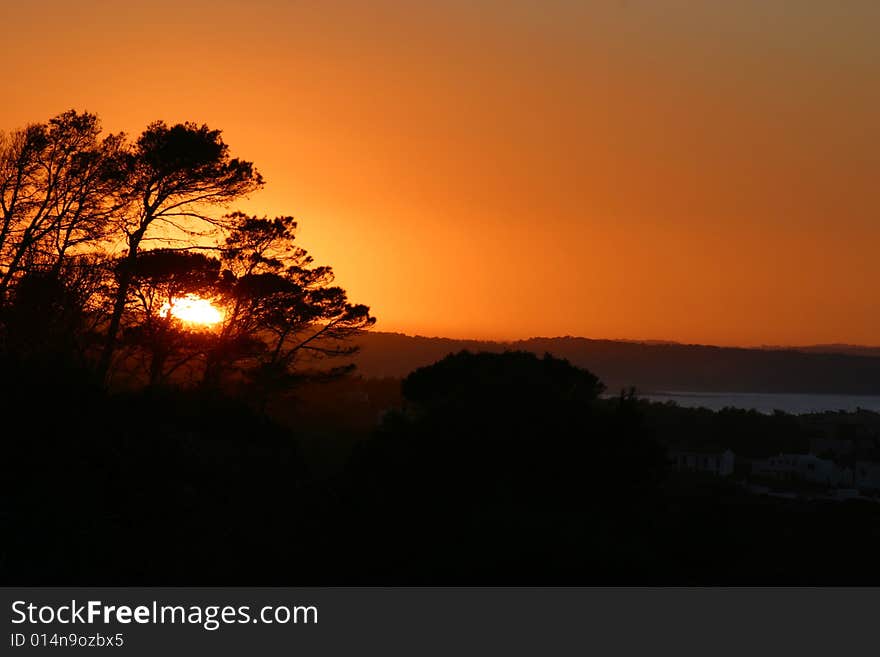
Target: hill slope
(652,366)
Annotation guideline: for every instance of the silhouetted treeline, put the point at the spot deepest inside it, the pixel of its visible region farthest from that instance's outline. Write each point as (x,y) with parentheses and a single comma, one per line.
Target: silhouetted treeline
(483,468)
(105,240)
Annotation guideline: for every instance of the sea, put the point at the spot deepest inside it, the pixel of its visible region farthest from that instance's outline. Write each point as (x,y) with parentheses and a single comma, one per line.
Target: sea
(794,403)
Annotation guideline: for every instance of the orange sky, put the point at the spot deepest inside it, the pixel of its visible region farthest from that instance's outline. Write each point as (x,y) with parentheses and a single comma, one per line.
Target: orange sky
(666,169)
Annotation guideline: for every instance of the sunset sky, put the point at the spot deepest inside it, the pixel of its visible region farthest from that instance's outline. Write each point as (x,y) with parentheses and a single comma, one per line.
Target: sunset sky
(700,171)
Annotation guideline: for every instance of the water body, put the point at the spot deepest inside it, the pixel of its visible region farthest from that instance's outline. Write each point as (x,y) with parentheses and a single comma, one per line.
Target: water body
(768,402)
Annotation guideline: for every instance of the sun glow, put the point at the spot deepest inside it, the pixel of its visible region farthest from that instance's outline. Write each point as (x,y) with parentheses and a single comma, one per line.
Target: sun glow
(192,309)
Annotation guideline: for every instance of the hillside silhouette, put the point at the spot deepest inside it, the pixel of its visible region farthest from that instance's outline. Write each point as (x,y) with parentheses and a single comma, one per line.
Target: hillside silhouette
(653,366)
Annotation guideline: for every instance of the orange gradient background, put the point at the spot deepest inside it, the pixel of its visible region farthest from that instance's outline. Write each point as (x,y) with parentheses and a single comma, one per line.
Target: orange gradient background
(662,169)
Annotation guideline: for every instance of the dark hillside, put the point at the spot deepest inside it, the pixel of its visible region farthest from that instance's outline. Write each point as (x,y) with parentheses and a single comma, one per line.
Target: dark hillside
(650,366)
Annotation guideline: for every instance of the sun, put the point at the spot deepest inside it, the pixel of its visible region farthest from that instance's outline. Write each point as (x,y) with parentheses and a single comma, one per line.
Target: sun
(192,309)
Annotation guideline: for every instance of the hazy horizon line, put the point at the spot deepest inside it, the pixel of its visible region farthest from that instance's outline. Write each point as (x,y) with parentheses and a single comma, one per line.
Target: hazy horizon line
(649,341)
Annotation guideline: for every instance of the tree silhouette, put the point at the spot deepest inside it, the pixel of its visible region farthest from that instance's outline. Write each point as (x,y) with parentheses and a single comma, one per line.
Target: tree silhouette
(69,198)
(271,291)
(44,326)
(58,182)
(158,280)
(173,176)
(505,438)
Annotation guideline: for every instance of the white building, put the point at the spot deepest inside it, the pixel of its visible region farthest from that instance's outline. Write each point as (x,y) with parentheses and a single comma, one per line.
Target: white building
(719,464)
(867,475)
(803,467)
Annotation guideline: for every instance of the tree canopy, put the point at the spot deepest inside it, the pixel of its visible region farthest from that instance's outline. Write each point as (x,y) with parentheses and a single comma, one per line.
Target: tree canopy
(116,231)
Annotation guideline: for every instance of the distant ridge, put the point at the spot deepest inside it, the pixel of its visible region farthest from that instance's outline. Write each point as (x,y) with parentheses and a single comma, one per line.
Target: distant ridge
(851,349)
(656,366)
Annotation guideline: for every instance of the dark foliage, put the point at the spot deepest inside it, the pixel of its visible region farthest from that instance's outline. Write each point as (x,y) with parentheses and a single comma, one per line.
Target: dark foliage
(491,449)
(175,486)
